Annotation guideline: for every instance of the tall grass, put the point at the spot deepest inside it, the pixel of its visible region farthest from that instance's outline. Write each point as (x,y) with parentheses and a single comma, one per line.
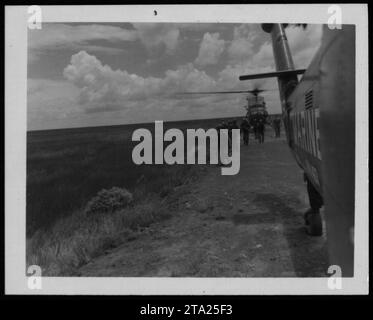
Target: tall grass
(67,168)
(76,239)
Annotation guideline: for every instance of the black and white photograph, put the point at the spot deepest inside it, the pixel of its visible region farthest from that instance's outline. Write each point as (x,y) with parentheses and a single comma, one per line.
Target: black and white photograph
(186,149)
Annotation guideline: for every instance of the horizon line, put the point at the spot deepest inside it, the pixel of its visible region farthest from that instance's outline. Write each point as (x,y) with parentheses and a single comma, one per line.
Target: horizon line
(138,123)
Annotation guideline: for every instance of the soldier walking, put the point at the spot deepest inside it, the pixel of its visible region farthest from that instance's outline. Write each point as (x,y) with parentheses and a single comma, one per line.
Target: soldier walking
(231,125)
(277,127)
(245,128)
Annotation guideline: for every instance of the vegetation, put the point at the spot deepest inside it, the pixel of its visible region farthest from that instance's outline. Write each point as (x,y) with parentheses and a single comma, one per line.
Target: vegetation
(109,201)
(85,195)
(76,239)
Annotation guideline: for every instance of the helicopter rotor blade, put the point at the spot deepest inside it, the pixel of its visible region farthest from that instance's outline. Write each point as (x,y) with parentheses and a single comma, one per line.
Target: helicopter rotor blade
(214,92)
(254,91)
(261,90)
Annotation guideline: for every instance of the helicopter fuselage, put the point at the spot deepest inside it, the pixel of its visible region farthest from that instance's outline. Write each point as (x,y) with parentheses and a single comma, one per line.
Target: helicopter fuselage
(319,118)
(302,115)
(318,113)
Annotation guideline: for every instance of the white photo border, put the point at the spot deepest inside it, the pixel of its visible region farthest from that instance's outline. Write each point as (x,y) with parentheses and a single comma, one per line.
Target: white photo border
(15,149)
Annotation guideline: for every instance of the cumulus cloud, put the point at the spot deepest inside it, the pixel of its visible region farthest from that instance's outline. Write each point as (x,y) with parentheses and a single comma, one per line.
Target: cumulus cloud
(210,49)
(101,88)
(241,47)
(244,60)
(94,93)
(304,43)
(156,34)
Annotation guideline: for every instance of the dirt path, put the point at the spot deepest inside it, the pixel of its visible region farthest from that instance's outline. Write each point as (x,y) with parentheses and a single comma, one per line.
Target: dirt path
(248,225)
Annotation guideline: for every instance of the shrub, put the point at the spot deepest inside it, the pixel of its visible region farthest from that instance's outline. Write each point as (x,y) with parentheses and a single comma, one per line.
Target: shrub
(109,200)
(76,239)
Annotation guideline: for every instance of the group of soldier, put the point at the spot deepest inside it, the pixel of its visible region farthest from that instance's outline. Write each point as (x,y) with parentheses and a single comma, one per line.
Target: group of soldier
(228,125)
(256,125)
(276,124)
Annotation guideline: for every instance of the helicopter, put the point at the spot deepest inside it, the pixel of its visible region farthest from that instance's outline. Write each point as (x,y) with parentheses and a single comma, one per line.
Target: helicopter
(256,111)
(318,112)
(257,114)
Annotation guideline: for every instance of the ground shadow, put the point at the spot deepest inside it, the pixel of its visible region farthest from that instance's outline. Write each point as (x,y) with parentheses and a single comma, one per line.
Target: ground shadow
(303,250)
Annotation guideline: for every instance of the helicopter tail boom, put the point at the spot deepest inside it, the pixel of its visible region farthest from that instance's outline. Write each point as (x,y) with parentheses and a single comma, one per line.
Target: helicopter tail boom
(272,74)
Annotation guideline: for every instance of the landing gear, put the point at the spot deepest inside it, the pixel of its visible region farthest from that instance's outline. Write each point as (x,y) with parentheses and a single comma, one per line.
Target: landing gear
(312,217)
(313,223)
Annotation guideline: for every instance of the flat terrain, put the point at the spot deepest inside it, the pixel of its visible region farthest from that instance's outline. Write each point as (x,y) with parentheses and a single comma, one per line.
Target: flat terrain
(67,167)
(248,225)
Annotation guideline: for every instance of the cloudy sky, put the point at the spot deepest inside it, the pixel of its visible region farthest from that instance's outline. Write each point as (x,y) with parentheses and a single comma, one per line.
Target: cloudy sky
(87,74)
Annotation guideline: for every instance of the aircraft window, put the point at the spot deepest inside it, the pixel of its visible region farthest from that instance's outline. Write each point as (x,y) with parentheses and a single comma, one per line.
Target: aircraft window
(309,99)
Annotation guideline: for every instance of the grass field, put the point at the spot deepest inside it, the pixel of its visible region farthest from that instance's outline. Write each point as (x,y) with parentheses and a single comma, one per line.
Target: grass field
(67,167)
